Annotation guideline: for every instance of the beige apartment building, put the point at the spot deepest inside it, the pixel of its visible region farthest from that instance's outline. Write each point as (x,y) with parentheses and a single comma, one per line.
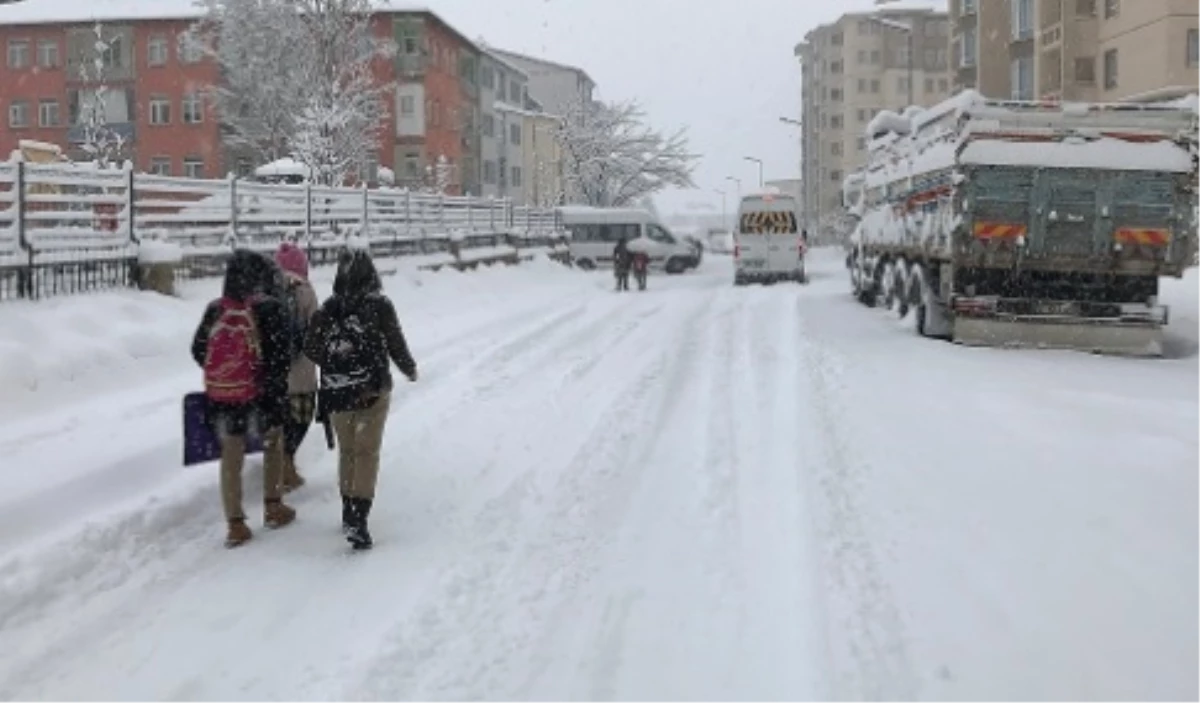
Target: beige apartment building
(1086,50)
(850,70)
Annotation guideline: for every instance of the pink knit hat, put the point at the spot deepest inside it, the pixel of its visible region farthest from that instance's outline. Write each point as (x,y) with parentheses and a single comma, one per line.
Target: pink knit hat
(292,259)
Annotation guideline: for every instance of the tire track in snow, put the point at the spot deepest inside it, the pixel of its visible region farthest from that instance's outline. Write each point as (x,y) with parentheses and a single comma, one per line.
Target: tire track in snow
(866,631)
(530,547)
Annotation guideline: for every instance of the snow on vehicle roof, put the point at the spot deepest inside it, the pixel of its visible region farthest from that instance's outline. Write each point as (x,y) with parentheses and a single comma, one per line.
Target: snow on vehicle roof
(282,167)
(1104,153)
(62,11)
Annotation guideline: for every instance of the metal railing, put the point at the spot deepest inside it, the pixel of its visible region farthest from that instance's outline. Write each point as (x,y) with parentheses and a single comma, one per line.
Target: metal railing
(66,228)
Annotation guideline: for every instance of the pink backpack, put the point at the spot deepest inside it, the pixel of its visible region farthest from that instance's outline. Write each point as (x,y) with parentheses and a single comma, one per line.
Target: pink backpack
(234,356)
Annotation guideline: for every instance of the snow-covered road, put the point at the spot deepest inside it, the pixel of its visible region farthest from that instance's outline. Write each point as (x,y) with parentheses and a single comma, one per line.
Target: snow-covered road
(693,492)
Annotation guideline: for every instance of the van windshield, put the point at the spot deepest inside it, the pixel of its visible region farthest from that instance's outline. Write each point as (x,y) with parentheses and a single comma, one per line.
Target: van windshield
(776,222)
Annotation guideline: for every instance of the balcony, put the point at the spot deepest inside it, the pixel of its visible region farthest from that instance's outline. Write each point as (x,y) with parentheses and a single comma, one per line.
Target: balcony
(411,65)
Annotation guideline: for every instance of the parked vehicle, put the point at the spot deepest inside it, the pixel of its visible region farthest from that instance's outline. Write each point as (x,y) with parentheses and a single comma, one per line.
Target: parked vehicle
(595,231)
(1026,223)
(767,243)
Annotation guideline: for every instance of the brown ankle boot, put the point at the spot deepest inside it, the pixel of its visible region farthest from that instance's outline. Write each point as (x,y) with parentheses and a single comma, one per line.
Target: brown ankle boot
(238,534)
(291,478)
(276,514)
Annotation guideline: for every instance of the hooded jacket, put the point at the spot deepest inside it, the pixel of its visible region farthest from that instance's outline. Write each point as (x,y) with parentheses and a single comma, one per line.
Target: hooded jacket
(302,378)
(250,274)
(358,290)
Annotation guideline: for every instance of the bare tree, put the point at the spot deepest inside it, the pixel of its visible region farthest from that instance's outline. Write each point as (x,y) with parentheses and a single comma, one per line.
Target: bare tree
(256,44)
(103,145)
(613,158)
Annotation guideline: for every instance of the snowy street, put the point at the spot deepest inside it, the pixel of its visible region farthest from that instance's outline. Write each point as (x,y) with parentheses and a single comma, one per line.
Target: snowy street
(699,491)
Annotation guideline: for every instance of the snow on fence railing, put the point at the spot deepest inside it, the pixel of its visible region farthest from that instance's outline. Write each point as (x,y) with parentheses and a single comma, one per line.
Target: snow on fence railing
(67,227)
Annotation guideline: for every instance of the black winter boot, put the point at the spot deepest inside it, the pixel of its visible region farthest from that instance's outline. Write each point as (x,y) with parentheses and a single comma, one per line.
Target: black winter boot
(358,535)
(347,514)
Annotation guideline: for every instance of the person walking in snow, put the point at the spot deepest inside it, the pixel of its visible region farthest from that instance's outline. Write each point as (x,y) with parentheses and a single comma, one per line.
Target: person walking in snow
(354,338)
(242,345)
(301,302)
(622,261)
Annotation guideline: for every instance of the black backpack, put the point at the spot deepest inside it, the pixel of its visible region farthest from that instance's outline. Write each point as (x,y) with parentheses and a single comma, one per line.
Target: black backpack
(349,374)
(297,325)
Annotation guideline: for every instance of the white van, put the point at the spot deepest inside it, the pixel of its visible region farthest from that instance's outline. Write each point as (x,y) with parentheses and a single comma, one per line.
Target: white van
(595,231)
(768,244)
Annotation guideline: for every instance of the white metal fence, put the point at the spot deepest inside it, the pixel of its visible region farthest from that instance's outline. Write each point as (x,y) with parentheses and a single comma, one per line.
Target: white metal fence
(66,228)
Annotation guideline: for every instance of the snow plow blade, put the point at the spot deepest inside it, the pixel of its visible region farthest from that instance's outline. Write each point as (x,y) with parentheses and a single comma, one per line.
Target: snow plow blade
(1107,337)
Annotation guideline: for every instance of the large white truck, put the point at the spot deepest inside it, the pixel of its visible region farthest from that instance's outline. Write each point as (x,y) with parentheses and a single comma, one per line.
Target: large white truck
(1007,223)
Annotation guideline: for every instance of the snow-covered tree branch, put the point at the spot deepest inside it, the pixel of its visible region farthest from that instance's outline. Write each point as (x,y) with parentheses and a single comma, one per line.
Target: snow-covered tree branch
(613,158)
(103,145)
(298,80)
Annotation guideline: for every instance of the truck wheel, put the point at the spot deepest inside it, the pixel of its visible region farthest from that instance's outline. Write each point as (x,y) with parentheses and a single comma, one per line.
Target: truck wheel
(898,284)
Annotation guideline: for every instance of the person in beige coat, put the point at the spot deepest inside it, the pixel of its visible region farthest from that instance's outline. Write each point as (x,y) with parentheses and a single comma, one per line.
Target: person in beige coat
(302,378)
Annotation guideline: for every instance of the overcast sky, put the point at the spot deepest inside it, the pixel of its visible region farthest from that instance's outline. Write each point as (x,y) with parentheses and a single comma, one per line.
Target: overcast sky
(722,68)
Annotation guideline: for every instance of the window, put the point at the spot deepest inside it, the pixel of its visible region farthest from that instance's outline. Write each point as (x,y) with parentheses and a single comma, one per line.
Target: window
(193,167)
(1193,52)
(48,113)
(835,67)
(193,112)
(875,57)
(190,50)
(1085,70)
(862,115)
(1022,19)
(516,176)
(489,172)
(514,93)
(110,53)
(835,122)
(835,176)
(244,168)
(487,77)
(874,85)
(1110,69)
(862,56)
(835,148)
(160,110)
(929,85)
(835,94)
(408,105)
(1085,8)
(836,39)
(18,53)
(489,124)
(1021,77)
(47,53)
(861,144)
(514,133)
(157,51)
(968,7)
(967,57)
(1112,8)
(18,114)
(411,165)
(161,165)
(902,56)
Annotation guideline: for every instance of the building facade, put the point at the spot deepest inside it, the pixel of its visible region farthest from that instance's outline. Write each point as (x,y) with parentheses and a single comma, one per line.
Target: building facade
(154,95)
(1076,50)
(852,69)
(543,155)
(504,90)
(558,88)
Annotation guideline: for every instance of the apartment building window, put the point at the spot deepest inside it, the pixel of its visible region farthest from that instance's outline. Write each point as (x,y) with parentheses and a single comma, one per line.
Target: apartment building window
(411,165)
(18,53)
(47,53)
(48,113)
(835,94)
(862,85)
(1193,51)
(835,122)
(193,167)
(902,56)
(1112,8)
(968,7)
(929,85)
(489,124)
(862,115)
(835,176)
(835,148)
(408,105)
(1021,77)
(190,50)
(862,57)
(516,176)
(1085,70)
(18,114)
(487,77)
(160,110)
(193,112)
(514,133)
(874,85)
(1110,69)
(489,172)
(1022,19)
(861,144)
(157,51)
(161,165)
(111,55)
(875,57)
(1085,8)
(967,58)
(836,39)
(835,67)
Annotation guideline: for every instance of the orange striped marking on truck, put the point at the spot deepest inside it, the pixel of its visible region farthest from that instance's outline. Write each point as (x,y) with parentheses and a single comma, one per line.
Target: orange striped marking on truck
(1140,235)
(999,230)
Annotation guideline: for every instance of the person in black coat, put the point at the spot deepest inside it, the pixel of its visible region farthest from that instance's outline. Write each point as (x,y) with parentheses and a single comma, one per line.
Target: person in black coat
(354,338)
(249,279)
(622,262)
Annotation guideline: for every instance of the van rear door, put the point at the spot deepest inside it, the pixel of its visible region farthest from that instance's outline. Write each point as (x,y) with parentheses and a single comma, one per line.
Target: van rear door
(768,235)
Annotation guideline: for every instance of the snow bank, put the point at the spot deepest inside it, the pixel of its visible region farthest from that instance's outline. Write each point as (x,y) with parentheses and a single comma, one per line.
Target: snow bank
(1104,153)
(153,251)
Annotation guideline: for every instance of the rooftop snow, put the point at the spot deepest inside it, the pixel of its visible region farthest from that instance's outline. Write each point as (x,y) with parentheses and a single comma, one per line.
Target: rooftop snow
(63,11)
(1106,153)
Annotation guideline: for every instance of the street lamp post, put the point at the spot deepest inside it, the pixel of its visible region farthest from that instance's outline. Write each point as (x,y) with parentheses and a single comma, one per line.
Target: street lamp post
(760,168)
(738,181)
(803,183)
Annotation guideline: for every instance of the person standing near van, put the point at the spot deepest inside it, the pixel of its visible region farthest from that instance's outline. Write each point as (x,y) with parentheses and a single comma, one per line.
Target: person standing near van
(242,345)
(301,303)
(621,263)
(354,338)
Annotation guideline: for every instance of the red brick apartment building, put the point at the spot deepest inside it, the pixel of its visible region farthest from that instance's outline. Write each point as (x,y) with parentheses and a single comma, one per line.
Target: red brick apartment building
(155,89)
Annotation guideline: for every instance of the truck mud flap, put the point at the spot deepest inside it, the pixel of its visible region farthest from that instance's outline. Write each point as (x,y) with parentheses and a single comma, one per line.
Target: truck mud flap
(1115,338)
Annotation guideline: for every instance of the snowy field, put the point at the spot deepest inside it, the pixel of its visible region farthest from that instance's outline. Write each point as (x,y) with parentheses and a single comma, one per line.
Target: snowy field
(699,491)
